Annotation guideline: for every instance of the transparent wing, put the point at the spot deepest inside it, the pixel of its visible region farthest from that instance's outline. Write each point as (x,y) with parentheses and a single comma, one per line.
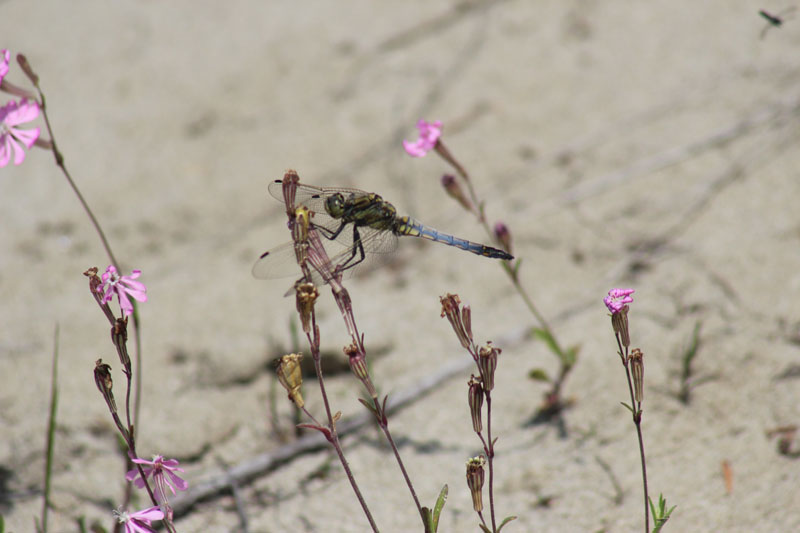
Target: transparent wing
(314,199)
(279,262)
(311,196)
(344,251)
(374,241)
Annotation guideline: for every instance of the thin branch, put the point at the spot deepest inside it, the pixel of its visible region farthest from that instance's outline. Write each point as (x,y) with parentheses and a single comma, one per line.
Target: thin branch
(258,466)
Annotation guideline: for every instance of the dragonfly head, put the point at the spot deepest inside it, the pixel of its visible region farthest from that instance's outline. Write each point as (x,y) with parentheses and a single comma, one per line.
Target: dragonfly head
(334,205)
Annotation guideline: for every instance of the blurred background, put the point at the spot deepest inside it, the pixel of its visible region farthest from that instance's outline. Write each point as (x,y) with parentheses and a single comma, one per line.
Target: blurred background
(651,146)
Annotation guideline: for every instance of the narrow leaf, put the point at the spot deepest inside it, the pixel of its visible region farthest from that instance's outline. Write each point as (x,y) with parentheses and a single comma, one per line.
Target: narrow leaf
(505,521)
(437,510)
(369,406)
(571,355)
(538,374)
(545,336)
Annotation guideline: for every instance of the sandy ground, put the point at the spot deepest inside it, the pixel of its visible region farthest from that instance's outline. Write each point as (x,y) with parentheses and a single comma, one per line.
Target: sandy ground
(651,146)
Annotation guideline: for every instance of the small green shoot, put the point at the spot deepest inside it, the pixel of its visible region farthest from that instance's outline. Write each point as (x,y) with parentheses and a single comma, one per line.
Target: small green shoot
(660,514)
(432,518)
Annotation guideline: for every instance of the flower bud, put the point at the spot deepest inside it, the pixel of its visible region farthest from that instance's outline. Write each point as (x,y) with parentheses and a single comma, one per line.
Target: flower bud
(503,236)
(358,364)
(637,371)
(475,399)
(291,377)
(289,189)
(306,295)
(119,336)
(487,364)
(22,61)
(102,378)
(302,221)
(96,288)
(475,481)
(619,321)
(460,320)
(454,190)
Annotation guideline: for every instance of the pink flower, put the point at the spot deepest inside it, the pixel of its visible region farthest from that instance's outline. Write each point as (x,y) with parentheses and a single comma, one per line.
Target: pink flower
(4,63)
(159,469)
(140,521)
(11,115)
(429,134)
(122,286)
(617,299)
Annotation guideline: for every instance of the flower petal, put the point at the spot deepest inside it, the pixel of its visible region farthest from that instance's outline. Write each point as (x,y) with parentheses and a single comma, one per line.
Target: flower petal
(5,149)
(19,153)
(22,112)
(179,482)
(149,514)
(4,63)
(27,137)
(124,303)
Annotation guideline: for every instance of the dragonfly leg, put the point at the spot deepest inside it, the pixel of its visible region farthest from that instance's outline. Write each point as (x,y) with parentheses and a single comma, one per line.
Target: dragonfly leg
(358,247)
(334,234)
(329,233)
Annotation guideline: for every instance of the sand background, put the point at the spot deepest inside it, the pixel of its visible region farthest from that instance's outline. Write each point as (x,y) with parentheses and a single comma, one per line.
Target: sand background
(650,145)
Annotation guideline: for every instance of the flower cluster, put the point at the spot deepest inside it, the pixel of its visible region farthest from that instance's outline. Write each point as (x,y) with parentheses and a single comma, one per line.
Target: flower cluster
(12,115)
(429,133)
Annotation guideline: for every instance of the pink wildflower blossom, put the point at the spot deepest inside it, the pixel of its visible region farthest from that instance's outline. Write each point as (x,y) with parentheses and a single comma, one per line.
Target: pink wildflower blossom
(617,299)
(140,521)
(12,115)
(429,133)
(122,286)
(4,63)
(159,469)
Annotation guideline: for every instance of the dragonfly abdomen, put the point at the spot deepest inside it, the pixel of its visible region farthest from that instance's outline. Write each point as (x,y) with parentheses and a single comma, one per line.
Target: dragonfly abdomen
(409,226)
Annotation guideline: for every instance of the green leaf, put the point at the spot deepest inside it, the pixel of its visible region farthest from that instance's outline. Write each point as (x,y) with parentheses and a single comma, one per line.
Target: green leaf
(660,514)
(571,355)
(546,337)
(538,374)
(517,265)
(437,510)
(485,529)
(369,406)
(505,521)
(629,408)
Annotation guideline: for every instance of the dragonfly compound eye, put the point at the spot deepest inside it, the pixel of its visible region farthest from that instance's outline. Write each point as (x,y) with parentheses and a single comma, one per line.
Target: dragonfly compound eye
(334,205)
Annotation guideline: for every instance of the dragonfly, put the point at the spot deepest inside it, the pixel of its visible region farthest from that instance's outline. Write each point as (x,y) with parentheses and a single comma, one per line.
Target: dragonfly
(775,20)
(357,223)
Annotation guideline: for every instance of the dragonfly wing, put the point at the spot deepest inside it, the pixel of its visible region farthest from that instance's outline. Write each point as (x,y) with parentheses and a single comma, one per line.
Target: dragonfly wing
(345,253)
(314,199)
(307,195)
(279,262)
(377,241)
(312,196)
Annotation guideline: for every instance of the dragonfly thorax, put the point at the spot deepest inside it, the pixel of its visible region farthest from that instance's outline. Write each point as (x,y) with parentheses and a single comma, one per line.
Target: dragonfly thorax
(366,210)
